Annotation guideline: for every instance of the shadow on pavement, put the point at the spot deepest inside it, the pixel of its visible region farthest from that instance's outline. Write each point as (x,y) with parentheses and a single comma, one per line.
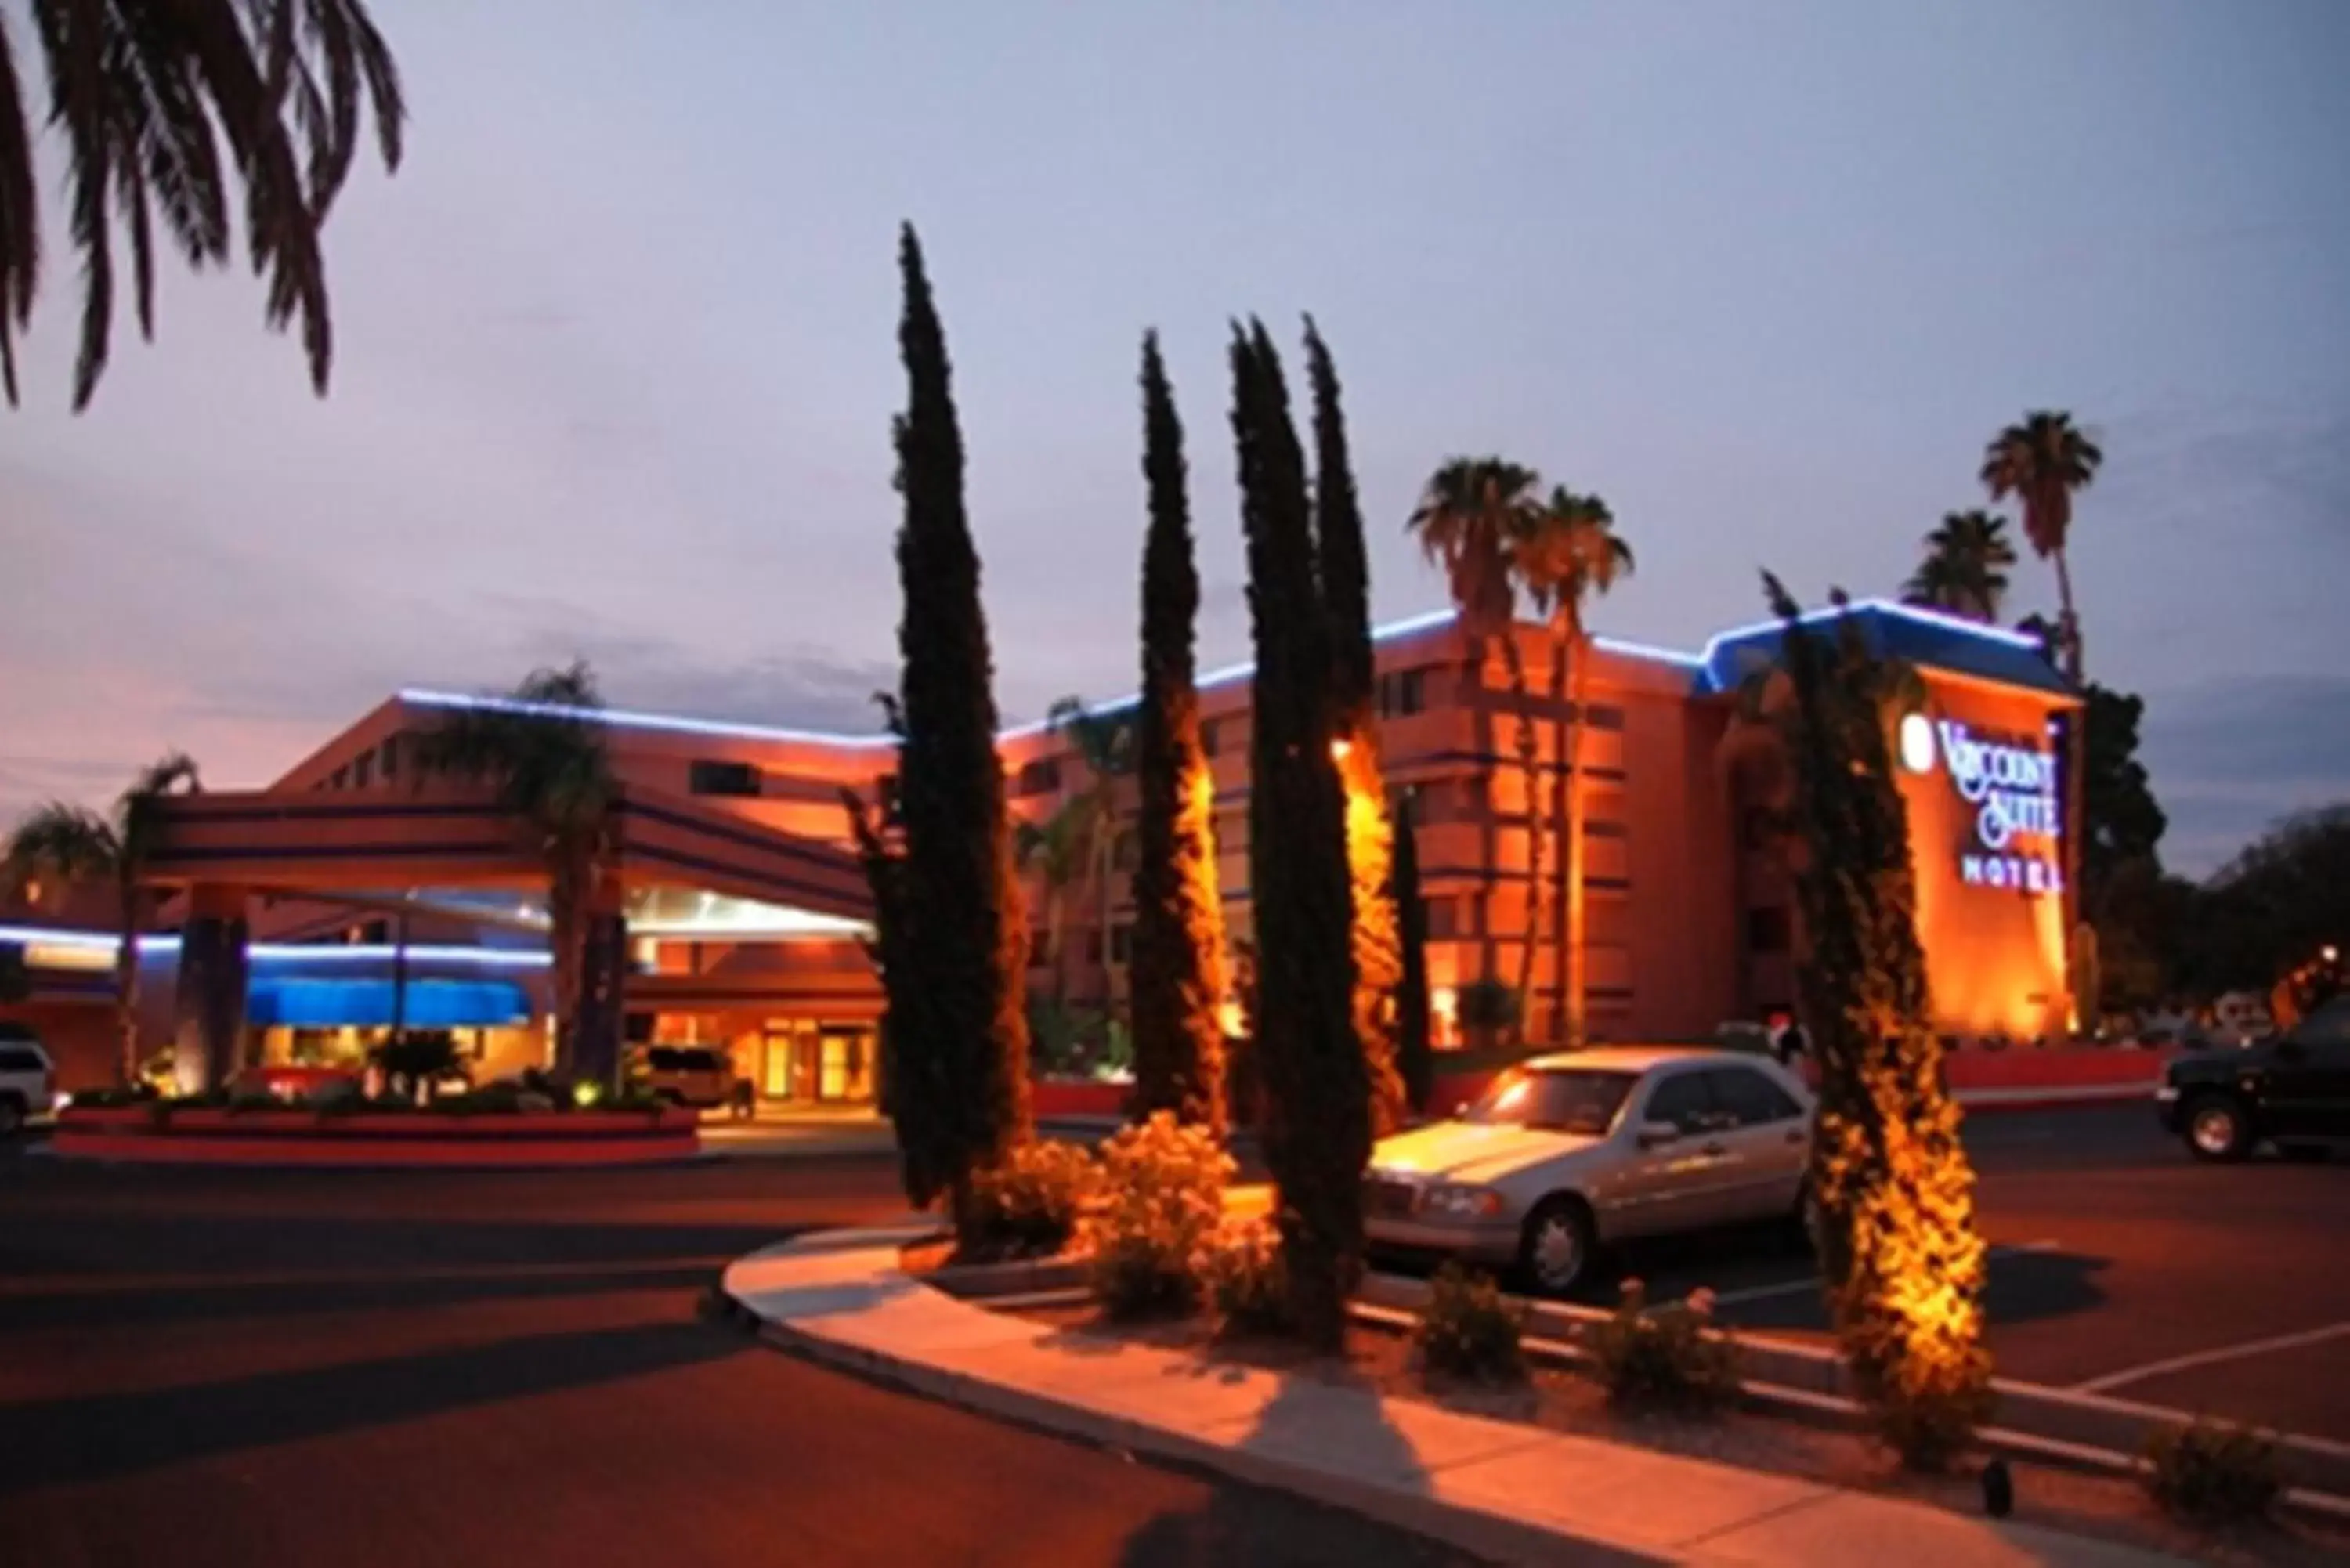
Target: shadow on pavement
(67,1441)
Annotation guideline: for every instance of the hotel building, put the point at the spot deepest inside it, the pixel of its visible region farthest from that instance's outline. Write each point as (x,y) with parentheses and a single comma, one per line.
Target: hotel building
(352,889)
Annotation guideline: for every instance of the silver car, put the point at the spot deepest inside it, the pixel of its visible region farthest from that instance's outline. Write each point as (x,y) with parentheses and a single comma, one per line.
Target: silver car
(1568,1153)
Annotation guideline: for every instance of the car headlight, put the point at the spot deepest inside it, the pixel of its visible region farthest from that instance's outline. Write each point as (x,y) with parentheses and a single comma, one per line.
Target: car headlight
(1458,1202)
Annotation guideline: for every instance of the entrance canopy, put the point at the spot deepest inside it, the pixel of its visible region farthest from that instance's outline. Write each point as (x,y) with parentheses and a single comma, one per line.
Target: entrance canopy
(683,865)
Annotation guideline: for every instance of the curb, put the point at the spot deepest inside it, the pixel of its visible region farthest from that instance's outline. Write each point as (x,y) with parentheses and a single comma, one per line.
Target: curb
(2034,1421)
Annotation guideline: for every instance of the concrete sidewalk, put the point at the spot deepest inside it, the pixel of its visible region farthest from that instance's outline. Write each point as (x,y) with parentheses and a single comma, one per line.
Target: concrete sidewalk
(1498,1488)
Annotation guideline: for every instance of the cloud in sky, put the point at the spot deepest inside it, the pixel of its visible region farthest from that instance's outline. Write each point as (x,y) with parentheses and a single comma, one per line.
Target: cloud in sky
(616,349)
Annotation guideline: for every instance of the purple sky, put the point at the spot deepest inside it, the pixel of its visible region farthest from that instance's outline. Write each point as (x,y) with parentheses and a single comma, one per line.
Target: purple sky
(616,356)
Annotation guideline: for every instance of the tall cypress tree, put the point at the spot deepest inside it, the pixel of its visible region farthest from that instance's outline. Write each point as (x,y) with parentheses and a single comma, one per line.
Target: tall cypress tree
(1317,1124)
(1178,919)
(967,947)
(1415,1060)
(1899,1250)
(1370,833)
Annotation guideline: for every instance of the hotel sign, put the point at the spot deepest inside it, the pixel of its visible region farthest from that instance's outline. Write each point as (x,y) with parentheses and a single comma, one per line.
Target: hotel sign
(2011,791)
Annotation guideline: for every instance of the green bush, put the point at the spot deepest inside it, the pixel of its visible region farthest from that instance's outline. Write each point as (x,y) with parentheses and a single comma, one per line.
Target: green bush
(1241,1267)
(1032,1202)
(1671,1359)
(1468,1330)
(1162,1188)
(2209,1473)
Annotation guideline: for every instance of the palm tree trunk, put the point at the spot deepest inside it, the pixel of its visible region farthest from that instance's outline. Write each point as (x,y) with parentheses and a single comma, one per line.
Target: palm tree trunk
(1513,659)
(1577,1014)
(565,906)
(126,984)
(2077,756)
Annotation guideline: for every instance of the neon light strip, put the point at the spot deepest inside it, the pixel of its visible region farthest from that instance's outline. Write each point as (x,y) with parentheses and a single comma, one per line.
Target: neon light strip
(1932,618)
(1408,627)
(368,952)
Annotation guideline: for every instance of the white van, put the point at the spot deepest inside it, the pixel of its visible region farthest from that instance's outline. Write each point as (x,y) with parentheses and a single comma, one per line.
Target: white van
(27,1079)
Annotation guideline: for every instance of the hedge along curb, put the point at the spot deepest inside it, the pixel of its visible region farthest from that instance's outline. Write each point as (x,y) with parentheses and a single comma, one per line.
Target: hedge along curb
(2034,1421)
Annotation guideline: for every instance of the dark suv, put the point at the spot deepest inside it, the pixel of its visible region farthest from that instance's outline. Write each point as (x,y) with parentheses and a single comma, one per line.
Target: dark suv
(2290,1089)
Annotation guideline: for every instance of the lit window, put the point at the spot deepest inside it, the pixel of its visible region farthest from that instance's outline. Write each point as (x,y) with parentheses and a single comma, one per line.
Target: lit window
(707,777)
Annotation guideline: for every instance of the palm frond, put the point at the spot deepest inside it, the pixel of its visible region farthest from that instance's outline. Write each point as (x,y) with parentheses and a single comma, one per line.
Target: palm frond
(68,843)
(20,241)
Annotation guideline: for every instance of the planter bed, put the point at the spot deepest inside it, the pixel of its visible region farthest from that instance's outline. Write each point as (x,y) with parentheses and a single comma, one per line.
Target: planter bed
(206,1135)
(1379,1358)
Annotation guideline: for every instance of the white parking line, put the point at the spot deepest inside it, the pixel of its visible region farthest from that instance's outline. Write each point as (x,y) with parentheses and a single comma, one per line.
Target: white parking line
(1812,1283)
(2112,1380)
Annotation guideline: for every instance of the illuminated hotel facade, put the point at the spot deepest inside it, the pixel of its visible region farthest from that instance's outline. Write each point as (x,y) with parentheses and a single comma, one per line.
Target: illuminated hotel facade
(737,916)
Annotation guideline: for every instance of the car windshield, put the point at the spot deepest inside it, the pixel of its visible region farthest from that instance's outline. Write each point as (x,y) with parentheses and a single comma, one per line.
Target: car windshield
(1565,1099)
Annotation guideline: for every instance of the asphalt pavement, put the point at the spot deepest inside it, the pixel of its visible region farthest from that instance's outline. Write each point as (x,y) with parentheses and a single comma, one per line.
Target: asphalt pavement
(258,1368)
(2120,1265)
(268,1368)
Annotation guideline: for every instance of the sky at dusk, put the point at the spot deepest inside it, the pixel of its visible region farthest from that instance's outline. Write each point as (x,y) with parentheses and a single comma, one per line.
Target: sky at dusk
(616,359)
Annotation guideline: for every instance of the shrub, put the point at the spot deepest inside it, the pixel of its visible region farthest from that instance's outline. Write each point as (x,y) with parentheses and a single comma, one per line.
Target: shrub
(1671,1359)
(1486,1006)
(1162,1197)
(115,1097)
(1241,1267)
(1468,1330)
(2209,1473)
(1032,1202)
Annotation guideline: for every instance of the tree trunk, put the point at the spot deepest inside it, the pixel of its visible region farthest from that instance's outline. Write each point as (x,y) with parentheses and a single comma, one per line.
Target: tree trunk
(1529,759)
(2076,755)
(126,985)
(567,896)
(1577,1010)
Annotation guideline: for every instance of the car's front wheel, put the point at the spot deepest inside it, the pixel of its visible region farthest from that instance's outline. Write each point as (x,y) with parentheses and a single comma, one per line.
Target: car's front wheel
(2219,1128)
(1555,1252)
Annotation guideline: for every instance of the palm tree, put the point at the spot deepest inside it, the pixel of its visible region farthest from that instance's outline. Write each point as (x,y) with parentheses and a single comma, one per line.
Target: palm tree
(2043,462)
(1104,744)
(1566,554)
(71,844)
(543,753)
(1056,848)
(1965,566)
(137,87)
(1470,510)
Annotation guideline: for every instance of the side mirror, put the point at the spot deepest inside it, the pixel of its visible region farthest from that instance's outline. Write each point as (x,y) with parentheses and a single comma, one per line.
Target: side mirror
(1655,1134)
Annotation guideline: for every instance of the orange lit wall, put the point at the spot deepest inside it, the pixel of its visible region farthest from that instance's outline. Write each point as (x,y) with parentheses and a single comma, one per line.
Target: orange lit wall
(1991,916)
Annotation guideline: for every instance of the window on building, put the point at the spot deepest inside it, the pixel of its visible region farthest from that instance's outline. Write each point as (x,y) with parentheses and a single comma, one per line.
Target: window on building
(1042,776)
(1769,930)
(1594,827)
(342,778)
(1442,917)
(1121,942)
(705,776)
(363,770)
(1403,692)
(1603,716)
(391,758)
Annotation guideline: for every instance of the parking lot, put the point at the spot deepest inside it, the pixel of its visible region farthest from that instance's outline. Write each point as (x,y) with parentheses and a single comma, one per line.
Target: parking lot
(2120,1266)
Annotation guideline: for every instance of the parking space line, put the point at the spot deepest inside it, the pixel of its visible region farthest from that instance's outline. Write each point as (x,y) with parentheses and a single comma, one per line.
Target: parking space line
(2112,1380)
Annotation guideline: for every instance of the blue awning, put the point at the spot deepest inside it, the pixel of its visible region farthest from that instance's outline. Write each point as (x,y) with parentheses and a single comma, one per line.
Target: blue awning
(305,1003)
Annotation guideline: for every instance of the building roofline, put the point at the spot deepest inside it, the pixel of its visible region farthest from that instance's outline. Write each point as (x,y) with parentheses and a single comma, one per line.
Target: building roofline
(1696,664)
